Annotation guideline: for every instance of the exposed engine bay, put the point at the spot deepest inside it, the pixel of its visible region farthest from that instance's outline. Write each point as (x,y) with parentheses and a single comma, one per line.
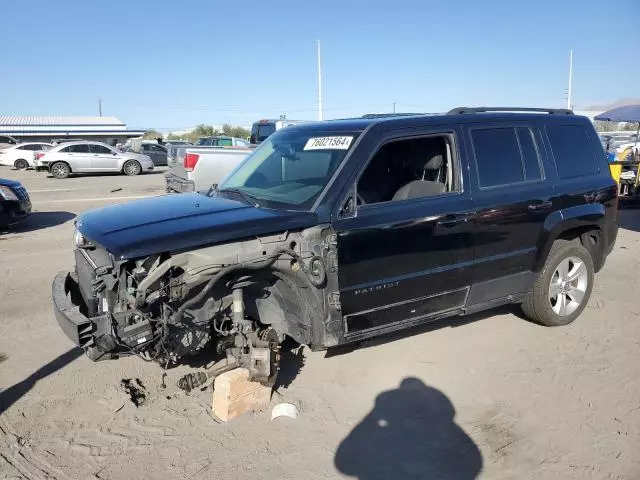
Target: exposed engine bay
(240,300)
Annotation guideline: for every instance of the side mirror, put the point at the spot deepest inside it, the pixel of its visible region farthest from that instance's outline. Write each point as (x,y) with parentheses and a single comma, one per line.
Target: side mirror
(114,153)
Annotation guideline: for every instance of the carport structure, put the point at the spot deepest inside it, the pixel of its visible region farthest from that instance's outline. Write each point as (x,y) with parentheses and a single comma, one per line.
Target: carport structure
(110,130)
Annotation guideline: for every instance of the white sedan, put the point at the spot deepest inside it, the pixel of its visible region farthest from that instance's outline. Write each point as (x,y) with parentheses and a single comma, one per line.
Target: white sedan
(91,157)
(21,156)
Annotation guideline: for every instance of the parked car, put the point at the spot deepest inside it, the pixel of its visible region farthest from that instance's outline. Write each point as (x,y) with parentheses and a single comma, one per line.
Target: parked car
(261,129)
(177,142)
(335,232)
(222,141)
(7,141)
(91,157)
(198,168)
(22,156)
(156,152)
(15,204)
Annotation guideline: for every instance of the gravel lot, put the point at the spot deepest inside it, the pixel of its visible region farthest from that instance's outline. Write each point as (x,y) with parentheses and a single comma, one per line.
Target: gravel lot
(491,395)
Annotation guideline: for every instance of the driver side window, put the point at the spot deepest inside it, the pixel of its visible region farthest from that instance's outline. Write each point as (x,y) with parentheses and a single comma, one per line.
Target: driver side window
(409,168)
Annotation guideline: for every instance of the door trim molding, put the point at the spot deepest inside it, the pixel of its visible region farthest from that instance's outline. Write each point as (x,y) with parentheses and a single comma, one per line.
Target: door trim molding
(399,323)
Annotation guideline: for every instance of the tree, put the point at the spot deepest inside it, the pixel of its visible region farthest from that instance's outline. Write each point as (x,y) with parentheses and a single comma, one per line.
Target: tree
(201,130)
(237,131)
(151,135)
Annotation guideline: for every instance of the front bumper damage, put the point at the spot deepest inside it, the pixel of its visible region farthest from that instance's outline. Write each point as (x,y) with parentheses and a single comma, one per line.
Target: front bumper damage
(68,308)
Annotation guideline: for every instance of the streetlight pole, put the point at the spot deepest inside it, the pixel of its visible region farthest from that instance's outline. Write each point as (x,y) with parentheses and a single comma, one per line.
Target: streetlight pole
(319,82)
(570,79)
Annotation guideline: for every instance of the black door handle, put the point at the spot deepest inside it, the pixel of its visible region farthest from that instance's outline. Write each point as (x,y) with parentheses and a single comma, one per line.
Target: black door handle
(452,220)
(545,205)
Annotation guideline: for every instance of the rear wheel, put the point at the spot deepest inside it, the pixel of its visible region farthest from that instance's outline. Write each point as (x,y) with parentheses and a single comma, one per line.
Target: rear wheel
(131,167)
(21,164)
(60,170)
(564,286)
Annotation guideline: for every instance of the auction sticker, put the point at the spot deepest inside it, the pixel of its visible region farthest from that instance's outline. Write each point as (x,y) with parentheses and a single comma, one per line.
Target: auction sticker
(323,143)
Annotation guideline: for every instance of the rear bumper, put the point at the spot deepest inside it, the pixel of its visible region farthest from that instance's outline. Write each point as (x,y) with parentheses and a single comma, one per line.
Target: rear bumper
(67,307)
(179,185)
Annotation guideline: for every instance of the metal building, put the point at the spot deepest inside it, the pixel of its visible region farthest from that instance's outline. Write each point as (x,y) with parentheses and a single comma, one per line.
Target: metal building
(109,130)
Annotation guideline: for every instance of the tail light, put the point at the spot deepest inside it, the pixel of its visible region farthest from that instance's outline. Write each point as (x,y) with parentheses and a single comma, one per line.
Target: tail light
(190,161)
(38,155)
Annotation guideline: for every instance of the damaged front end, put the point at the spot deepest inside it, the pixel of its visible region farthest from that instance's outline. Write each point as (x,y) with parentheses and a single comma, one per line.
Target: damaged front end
(239,299)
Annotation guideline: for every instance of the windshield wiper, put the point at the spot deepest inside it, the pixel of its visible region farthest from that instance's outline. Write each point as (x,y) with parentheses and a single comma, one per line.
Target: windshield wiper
(247,197)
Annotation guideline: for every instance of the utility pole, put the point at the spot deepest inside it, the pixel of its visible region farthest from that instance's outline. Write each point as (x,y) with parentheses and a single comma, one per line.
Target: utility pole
(100,106)
(570,79)
(319,82)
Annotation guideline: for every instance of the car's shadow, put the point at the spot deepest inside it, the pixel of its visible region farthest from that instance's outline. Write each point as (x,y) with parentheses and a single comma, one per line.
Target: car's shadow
(39,221)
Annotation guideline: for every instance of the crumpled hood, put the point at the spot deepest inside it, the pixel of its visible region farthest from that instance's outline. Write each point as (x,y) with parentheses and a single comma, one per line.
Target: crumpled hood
(186,220)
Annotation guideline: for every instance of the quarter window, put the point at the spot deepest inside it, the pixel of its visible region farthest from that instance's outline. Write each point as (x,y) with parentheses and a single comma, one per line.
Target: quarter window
(505,156)
(572,150)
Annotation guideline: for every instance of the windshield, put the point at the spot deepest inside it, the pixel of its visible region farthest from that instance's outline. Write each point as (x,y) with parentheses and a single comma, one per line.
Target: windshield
(290,169)
(260,131)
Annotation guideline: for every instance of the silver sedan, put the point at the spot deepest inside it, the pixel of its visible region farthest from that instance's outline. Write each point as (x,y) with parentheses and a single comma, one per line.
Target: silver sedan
(91,157)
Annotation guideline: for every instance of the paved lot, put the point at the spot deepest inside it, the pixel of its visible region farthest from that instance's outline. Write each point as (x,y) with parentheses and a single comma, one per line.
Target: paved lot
(493,395)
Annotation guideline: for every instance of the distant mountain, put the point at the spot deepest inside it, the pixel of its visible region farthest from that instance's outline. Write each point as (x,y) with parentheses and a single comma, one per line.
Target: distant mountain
(618,103)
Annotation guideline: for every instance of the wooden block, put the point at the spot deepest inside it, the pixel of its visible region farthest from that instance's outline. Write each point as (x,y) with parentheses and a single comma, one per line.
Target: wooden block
(234,394)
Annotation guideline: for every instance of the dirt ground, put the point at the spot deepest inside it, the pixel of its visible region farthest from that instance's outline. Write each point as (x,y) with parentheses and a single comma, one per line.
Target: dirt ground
(491,396)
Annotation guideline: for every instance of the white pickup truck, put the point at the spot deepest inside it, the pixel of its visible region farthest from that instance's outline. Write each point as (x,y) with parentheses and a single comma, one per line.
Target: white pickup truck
(197,168)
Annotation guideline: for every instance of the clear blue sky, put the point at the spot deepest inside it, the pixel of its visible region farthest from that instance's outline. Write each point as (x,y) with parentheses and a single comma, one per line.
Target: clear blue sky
(205,61)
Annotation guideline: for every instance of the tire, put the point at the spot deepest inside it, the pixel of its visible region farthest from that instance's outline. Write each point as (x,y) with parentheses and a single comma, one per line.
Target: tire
(568,260)
(21,164)
(131,167)
(60,170)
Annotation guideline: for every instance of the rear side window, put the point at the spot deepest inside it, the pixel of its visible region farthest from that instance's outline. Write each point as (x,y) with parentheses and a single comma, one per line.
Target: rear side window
(99,149)
(225,142)
(505,156)
(572,150)
(82,148)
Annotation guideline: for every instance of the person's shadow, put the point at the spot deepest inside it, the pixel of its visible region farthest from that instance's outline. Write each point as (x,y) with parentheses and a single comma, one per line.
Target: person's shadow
(410,433)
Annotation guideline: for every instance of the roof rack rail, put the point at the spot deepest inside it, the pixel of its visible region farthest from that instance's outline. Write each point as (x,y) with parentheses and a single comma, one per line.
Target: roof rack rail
(551,111)
(384,115)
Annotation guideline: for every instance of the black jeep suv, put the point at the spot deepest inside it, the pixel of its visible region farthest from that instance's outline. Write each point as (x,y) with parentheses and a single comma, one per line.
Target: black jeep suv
(336,231)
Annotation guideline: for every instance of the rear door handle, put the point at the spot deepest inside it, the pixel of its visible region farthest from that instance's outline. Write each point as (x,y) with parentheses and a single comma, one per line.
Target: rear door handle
(451,220)
(544,205)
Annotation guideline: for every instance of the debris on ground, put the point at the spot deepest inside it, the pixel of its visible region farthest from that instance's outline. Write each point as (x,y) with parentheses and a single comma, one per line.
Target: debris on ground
(192,380)
(285,410)
(137,394)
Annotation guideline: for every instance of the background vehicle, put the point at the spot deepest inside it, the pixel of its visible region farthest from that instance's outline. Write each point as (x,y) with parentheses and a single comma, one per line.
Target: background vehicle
(198,168)
(156,152)
(7,141)
(333,232)
(15,204)
(222,141)
(261,129)
(22,156)
(91,157)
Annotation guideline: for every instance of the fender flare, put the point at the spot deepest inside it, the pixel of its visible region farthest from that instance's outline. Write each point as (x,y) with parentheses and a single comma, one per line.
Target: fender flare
(578,217)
